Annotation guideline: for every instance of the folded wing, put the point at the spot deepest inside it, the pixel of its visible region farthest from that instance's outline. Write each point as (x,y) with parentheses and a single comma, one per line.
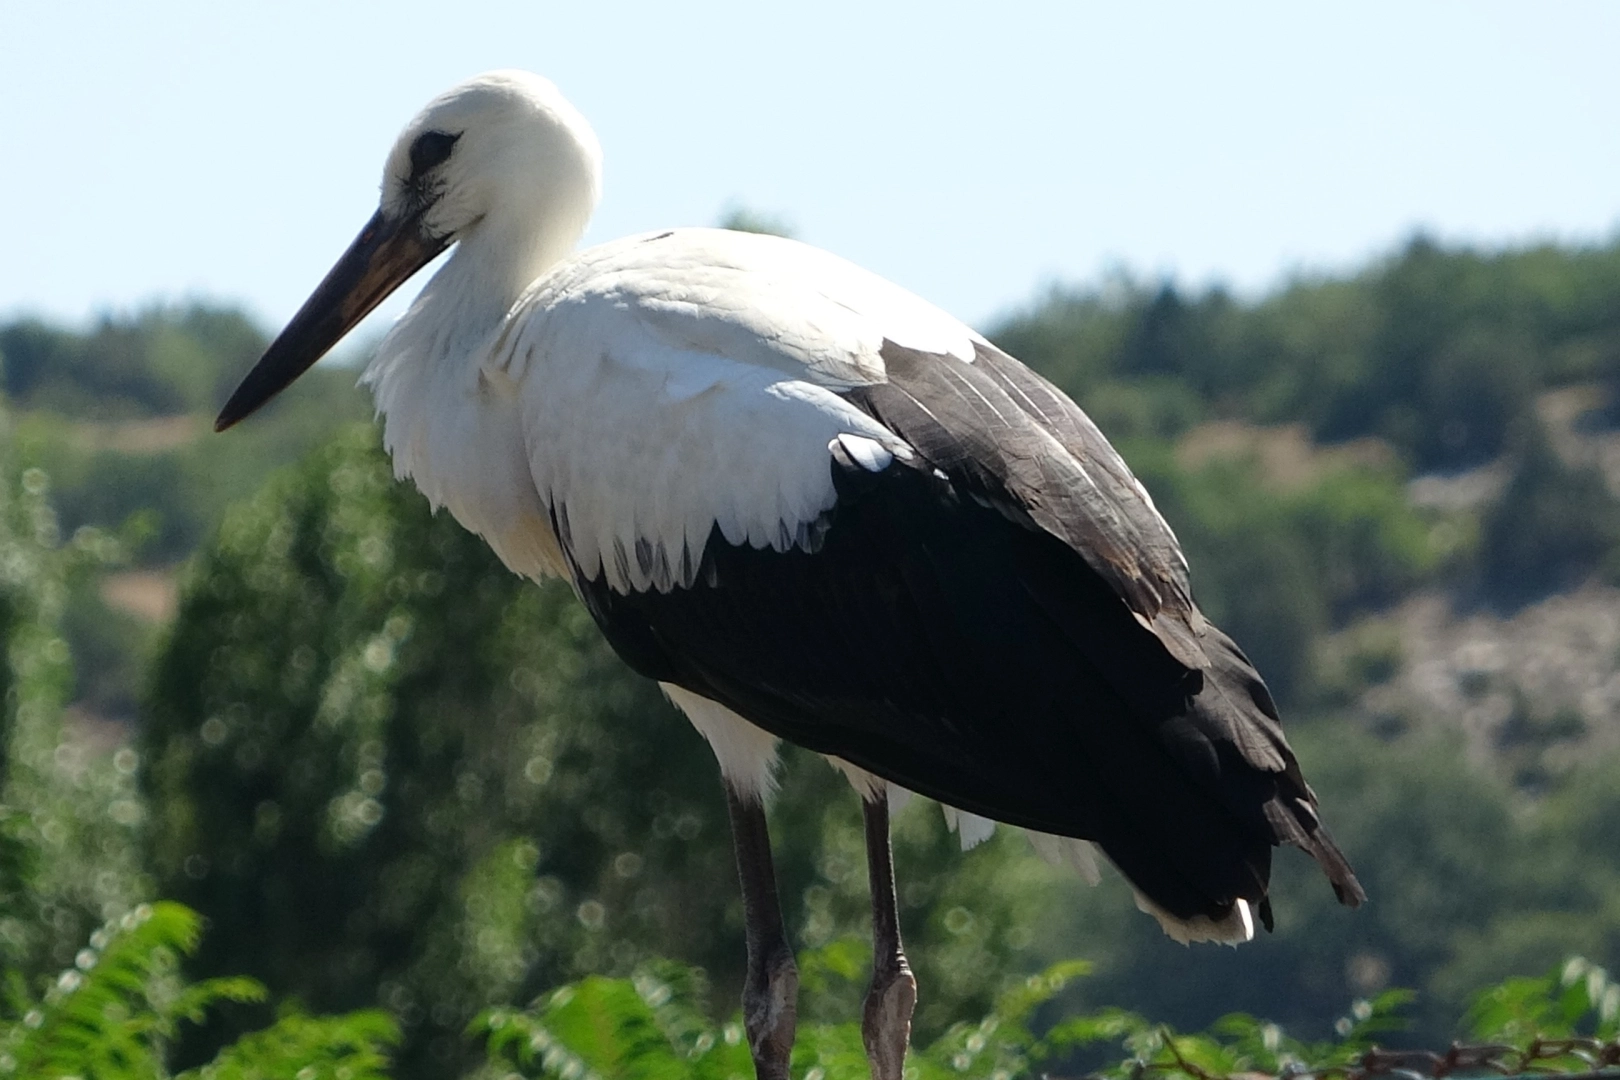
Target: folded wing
(903,549)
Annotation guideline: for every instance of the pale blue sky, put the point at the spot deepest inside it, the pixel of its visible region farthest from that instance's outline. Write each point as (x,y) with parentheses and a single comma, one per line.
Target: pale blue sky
(972,152)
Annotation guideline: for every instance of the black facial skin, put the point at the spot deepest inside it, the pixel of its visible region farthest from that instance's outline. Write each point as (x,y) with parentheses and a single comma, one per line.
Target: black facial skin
(431,148)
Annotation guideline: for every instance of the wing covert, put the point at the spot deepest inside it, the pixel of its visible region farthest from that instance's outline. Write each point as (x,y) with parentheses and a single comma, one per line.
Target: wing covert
(1018,443)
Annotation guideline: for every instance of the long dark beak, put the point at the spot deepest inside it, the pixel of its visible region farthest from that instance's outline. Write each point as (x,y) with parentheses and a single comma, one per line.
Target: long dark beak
(387,251)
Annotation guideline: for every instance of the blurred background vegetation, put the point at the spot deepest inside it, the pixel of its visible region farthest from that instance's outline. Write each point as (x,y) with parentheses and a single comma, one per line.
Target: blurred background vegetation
(253,674)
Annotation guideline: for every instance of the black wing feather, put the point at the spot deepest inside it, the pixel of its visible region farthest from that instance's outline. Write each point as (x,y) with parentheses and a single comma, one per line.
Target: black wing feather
(1020,442)
(985,624)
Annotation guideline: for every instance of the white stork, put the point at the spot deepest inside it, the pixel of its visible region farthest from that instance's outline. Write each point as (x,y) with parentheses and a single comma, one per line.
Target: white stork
(812,507)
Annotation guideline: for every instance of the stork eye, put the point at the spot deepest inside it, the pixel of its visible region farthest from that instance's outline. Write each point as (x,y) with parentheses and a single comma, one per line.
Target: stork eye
(431,148)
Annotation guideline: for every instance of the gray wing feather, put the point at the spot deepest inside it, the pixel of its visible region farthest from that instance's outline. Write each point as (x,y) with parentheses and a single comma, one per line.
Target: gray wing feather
(1039,459)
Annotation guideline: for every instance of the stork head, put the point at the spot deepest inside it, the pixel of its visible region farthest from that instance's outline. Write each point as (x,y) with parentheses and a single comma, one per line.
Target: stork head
(503,145)
(503,156)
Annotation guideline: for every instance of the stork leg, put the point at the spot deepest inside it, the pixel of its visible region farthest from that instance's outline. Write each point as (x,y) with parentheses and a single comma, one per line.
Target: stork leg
(771,987)
(886,1019)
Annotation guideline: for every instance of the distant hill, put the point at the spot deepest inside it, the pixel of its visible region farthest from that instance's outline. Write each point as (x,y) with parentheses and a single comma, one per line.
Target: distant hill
(119,417)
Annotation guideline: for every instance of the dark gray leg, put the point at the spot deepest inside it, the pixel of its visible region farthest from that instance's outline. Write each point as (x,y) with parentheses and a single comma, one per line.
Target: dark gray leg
(886,1020)
(771,989)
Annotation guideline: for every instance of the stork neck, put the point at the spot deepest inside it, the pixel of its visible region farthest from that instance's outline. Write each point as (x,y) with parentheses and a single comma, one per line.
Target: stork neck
(486,273)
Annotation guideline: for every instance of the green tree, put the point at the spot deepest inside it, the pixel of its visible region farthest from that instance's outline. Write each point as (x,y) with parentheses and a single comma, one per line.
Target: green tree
(160,361)
(114,1013)
(69,811)
(1552,527)
(1277,567)
(1436,349)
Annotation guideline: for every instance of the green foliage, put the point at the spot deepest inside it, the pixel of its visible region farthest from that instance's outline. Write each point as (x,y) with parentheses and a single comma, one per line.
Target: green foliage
(746,219)
(654,1025)
(68,813)
(116,418)
(1237,1043)
(115,1013)
(110,648)
(161,361)
(1276,567)
(353,1046)
(1437,350)
(1439,353)
(1578,999)
(171,475)
(1552,527)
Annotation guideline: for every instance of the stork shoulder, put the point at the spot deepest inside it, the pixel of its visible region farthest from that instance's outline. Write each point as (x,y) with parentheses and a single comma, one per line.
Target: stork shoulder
(673,384)
(760,300)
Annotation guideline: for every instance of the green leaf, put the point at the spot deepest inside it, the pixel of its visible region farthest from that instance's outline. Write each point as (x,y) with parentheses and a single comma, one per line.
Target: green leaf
(349,1047)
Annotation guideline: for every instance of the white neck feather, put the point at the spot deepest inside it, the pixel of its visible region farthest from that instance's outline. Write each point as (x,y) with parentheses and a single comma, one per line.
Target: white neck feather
(442,423)
(468,298)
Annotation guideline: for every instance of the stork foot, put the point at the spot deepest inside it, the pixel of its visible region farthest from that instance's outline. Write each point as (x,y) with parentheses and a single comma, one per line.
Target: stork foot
(886,1019)
(770,1012)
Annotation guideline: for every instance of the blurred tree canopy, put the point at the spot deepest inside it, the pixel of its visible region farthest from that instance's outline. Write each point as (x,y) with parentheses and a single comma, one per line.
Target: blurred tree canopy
(69,817)
(162,361)
(1554,524)
(1278,568)
(115,415)
(1436,350)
